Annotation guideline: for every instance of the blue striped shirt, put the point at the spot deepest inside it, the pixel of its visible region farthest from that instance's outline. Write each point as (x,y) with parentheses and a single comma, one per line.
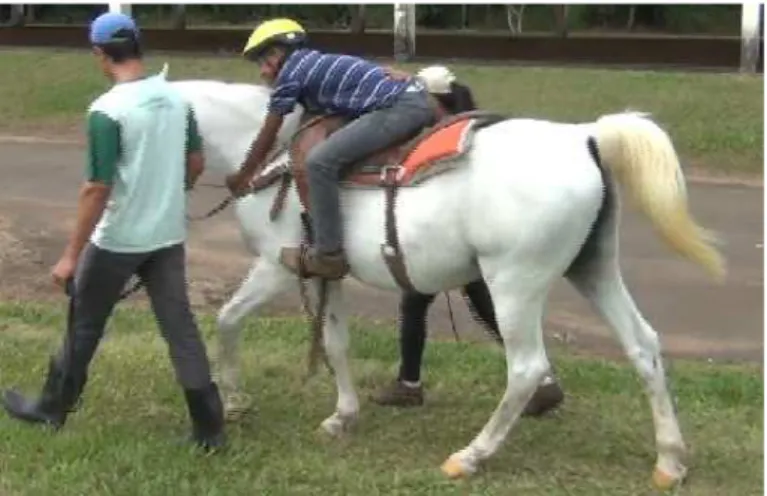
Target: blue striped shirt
(330,83)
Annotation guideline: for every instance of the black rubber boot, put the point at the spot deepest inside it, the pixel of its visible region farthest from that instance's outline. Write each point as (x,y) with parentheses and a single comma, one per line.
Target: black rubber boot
(58,398)
(207,413)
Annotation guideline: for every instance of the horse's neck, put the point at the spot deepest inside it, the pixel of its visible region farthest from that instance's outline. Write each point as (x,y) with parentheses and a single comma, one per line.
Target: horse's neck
(229,116)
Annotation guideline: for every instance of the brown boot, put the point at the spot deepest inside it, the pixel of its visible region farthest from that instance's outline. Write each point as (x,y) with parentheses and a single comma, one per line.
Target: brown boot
(311,263)
(546,398)
(399,394)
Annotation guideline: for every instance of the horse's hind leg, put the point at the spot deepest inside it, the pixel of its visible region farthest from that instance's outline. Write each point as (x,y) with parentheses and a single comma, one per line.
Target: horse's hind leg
(549,394)
(519,304)
(596,275)
(264,281)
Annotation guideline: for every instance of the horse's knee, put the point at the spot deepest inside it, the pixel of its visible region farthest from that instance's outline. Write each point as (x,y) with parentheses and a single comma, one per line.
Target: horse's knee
(223,321)
(227,326)
(335,337)
(227,319)
(529,370)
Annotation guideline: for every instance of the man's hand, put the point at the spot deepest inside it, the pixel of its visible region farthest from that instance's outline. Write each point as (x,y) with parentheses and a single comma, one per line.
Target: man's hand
(238,184)
(91,204)
(64,270)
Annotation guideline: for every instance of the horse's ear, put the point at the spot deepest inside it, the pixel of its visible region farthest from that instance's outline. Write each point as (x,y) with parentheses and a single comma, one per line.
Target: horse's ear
(164,71)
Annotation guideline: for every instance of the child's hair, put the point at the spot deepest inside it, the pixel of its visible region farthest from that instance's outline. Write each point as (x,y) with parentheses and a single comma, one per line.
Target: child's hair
(460,99)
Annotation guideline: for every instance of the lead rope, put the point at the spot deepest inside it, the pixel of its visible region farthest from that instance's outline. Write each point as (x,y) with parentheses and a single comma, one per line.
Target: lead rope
(306,234)
(317,348)
(452,318)
(316,319)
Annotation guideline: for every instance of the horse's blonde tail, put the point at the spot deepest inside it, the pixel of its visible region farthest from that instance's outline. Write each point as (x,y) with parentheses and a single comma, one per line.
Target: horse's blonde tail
(642,157)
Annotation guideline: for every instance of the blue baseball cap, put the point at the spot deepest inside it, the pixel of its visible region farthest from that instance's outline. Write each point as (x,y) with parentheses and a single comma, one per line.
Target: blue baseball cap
(105,27)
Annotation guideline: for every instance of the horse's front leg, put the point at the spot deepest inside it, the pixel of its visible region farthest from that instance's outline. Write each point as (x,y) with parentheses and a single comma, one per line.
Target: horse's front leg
(264,281)
(336,339)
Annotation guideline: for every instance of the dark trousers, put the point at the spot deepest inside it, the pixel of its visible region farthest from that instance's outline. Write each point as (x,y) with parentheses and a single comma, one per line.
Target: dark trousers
(100,279)
(413,310)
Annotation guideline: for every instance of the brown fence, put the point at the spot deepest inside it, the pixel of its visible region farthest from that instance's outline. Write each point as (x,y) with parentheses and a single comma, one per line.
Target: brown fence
(707,52)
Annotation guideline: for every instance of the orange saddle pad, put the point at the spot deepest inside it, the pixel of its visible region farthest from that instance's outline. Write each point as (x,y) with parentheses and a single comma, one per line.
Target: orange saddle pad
(445,143)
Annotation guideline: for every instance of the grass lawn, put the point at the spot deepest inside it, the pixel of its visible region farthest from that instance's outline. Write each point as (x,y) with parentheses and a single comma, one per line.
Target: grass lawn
(600,443)
(716,120)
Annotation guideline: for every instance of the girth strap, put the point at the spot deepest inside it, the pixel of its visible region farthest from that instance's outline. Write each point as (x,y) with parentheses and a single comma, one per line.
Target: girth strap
(391,251)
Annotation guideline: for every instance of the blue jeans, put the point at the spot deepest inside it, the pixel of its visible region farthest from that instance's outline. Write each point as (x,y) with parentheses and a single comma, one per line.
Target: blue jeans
(364,136)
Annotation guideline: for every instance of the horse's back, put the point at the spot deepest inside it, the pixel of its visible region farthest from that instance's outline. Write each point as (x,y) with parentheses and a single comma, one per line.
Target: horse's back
(538,152)
(535,190)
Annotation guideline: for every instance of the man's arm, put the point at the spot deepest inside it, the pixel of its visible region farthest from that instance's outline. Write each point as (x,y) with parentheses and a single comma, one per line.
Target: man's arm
(103,155)
(195,160)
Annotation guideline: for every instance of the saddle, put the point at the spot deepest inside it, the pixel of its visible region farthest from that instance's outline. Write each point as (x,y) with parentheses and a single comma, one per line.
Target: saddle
(408,163)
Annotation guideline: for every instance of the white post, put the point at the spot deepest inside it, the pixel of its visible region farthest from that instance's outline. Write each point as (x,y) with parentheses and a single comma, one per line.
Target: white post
(751,26)
(179,16)
(122,8)
(16,16)
(404,31)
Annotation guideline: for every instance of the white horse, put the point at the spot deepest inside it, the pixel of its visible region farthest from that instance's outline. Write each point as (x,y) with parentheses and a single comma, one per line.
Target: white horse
(530,202)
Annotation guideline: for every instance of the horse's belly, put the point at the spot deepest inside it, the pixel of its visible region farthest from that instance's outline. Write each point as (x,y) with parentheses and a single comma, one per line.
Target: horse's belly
(430,231)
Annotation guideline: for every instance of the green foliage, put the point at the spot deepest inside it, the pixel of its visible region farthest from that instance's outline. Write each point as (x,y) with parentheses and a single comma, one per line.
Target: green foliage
(715,120)
(713,19)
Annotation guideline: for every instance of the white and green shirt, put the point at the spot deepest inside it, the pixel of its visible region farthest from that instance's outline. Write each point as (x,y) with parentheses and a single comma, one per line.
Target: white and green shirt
(139,135)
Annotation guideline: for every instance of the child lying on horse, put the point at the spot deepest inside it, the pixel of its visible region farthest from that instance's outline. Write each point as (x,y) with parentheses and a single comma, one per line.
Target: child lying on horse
(384,111)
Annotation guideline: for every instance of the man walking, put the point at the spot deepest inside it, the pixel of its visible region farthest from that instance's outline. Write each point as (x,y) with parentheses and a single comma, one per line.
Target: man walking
(144,151)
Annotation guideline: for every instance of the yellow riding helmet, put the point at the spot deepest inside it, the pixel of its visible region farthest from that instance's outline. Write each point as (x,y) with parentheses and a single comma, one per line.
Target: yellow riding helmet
(282,31)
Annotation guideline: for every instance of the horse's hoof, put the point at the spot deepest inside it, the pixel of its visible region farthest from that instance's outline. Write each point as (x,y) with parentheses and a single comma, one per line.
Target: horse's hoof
(338,424)
(454,468)
(663,481)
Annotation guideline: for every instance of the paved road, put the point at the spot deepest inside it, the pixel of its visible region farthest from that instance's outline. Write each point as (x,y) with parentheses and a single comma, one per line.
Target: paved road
(695,316)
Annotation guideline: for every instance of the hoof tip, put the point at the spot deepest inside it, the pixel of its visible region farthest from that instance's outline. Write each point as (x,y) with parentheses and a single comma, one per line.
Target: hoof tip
(454,469)
(663,481)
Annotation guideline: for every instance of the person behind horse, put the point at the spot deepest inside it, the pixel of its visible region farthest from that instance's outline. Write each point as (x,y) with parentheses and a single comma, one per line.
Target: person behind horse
(383,111)
(407,390)
(144,150)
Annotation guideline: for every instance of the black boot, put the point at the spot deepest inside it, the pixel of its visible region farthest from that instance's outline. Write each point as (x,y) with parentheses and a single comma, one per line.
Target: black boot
(58,398)
(207,414)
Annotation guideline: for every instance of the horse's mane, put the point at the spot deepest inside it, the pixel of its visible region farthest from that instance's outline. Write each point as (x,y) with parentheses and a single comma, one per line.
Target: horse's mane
(262,88)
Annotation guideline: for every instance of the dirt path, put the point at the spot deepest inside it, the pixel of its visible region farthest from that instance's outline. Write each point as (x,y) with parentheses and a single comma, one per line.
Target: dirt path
(694,316)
